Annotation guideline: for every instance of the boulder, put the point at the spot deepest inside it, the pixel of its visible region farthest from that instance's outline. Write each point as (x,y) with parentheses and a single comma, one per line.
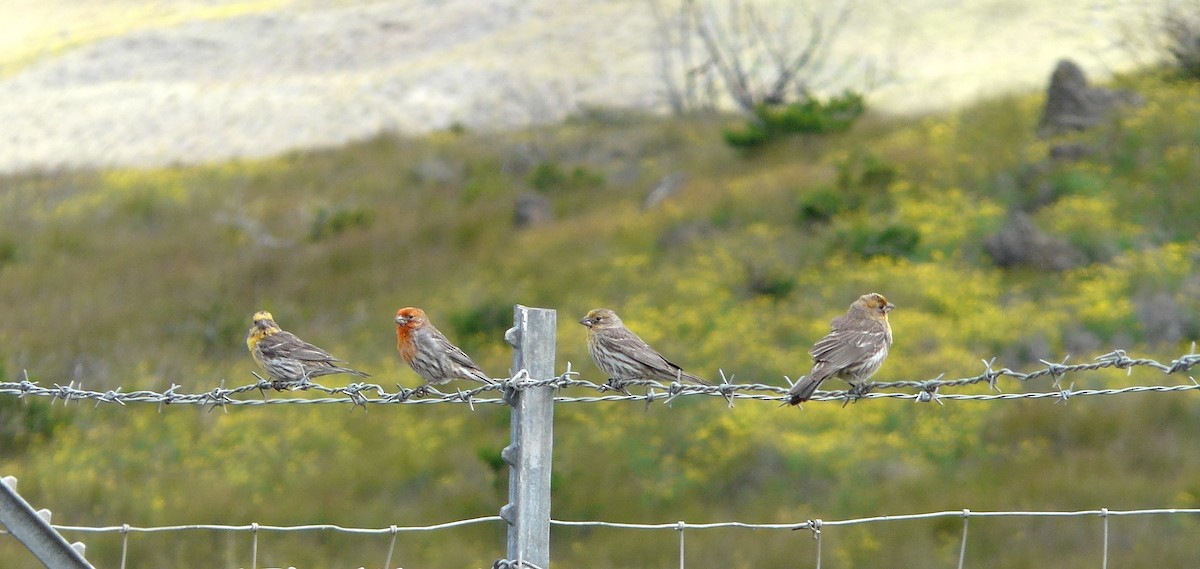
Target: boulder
(531,209)
(1021,242)
(1072,105)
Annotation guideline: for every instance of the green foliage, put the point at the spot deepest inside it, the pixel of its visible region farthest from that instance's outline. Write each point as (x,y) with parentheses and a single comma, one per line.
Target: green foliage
(809,116)
(102,291)
(812,116)
(551,176)
(486,180)
(821,206)
(862,181)
(482,321)
(748,137)
(331,222)
(8,251)
(26,422)
(894,240)
(769,282)
(866,172)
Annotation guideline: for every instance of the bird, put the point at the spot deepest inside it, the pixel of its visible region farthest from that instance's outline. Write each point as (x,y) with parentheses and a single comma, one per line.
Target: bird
(853,350)
(286,358)
(623,355)
(430,354)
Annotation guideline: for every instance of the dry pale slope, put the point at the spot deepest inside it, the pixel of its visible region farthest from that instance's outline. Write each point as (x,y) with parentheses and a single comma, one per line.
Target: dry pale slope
(145,83)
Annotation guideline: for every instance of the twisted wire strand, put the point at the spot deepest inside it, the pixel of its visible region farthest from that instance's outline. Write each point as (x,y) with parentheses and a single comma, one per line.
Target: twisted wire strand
(364,394)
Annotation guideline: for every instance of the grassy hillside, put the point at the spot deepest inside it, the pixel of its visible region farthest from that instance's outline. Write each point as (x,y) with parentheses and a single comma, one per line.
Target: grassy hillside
(147,278)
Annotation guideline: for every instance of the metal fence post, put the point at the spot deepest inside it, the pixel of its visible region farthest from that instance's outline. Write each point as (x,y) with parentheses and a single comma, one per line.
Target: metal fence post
(530,452)
(26,525)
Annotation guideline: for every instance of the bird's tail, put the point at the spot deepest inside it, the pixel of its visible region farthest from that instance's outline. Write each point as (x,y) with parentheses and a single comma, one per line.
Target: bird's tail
(481,377)
(351,371)
(802,390)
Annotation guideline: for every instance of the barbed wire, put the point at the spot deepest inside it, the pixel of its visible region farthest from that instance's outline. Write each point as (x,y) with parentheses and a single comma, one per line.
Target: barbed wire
(364,394)
(815,526)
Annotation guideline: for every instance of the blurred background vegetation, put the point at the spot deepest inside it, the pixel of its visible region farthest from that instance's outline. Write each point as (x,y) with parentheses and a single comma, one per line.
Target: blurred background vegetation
(145,278)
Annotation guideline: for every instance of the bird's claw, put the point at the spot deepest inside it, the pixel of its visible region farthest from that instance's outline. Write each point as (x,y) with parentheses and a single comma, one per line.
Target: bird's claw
(857,391)
(615,384)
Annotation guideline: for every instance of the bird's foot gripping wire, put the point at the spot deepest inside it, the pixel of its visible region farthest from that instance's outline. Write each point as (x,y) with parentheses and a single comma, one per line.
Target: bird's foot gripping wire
(420,391)
(614,384)
(857,391)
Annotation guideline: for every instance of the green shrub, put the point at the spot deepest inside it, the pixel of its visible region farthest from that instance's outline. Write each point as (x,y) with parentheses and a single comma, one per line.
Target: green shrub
(8,251)
(769,282)
(485,179)
(549,176)
(820,206)
(483,321)
(865,171)
(24,421)
(810,116)
(896,240)
(752,135)
(332,222)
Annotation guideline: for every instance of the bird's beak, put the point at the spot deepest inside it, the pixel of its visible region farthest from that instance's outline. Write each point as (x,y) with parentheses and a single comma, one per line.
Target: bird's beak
(587,322)
(401,320)
(888,307)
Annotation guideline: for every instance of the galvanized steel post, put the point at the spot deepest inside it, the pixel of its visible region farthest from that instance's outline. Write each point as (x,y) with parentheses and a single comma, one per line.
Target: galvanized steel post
(35,532)
(530,452)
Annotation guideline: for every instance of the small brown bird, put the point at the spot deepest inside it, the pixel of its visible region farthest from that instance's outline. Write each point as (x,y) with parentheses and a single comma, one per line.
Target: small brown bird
(853,350)
(623,355)
(286,358)
(429,353)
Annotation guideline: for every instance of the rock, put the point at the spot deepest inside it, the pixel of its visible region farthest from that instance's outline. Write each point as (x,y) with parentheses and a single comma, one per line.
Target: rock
(531,209)
(1020,242)
(684,234)
(1071,151)
(438,171)
(1163,319)
(666,188)
(1072,105)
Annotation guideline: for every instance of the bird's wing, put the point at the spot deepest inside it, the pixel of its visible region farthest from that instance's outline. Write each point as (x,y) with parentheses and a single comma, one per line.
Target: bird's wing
(846,346)
(626,342)
(456,356)
(287,344)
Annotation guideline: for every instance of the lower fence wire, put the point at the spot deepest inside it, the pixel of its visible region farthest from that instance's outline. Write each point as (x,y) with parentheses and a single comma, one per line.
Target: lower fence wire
(816,526)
